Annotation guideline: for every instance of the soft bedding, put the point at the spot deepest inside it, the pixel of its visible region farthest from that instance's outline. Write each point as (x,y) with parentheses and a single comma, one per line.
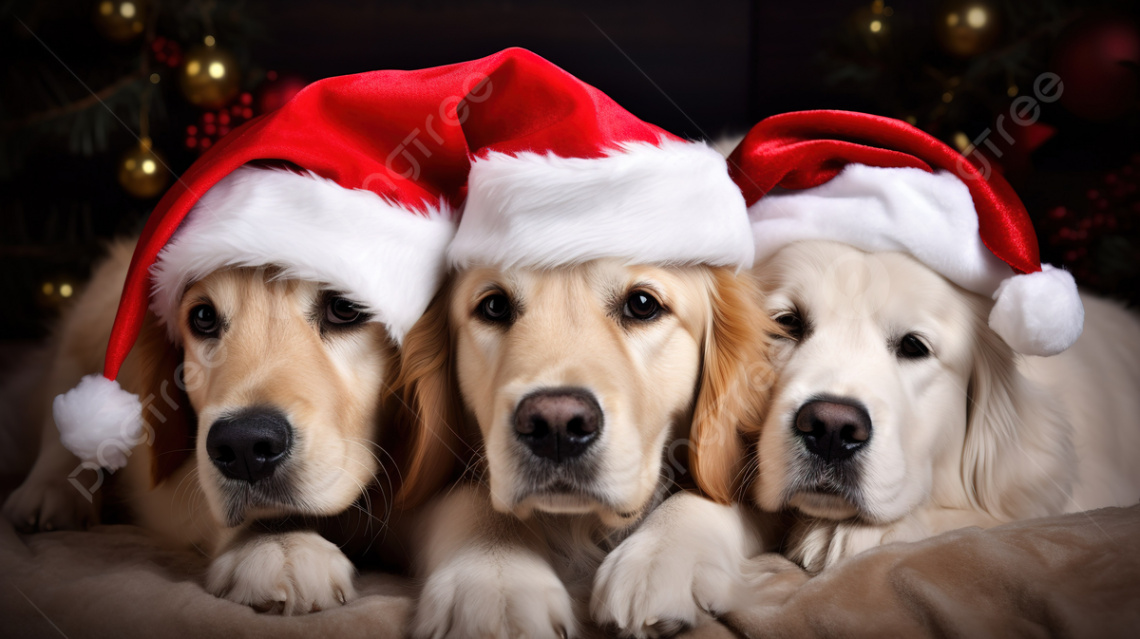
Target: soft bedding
(1076,575)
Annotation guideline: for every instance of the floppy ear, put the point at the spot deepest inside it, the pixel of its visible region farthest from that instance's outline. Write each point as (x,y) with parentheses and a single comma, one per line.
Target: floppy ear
(430,407)
(1018,455)
(152,372)
(736,379)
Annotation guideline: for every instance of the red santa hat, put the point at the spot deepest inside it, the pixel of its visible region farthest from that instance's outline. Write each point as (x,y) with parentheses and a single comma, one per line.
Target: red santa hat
(562,174)
(382,164)
(882,185)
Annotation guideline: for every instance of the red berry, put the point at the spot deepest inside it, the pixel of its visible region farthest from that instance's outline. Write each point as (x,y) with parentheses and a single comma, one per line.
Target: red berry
(247,113)
(1092,194)
(1058,212)
(206,142)
(191,142)
(246,99)
(223,118)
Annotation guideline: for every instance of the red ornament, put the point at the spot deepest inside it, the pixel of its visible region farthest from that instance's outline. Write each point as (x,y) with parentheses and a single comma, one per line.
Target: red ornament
(1098,60)
(277,90)
(166,52)
(214,125)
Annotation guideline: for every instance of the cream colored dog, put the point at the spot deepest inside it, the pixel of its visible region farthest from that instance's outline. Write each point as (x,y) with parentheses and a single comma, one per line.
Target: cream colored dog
(581,380)
(273,407)
(900,414)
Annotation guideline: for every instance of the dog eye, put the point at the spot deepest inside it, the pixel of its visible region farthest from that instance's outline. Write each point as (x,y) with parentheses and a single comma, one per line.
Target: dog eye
(204,320)
(340,311)
(792,324)
(641,306)
(495,308)
(911,346)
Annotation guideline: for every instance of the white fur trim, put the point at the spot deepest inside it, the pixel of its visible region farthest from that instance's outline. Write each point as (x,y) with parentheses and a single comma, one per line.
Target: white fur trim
(931,216)
(99,421)
(382,256)
(670,203)
(1038,313)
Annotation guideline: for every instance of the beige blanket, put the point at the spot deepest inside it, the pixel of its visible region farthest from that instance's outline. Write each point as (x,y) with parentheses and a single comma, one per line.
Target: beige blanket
(1077,575)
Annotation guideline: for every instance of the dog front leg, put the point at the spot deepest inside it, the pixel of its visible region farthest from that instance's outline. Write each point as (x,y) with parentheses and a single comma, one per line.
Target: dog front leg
(487,574)
(681,565)
(286,572)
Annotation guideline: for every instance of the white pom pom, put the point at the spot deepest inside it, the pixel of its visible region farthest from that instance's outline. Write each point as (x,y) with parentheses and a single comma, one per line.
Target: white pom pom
(1038,313)
(99,421)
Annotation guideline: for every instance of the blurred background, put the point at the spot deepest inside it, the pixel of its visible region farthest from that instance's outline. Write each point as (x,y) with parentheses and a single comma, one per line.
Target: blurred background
(84,81)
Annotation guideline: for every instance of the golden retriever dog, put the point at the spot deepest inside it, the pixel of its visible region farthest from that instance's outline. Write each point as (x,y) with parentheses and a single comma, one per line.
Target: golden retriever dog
(272,407)
(899,413)
(581,381)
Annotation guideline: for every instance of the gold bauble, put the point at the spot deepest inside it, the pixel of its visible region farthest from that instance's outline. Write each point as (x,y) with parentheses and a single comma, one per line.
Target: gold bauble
(209,77)
(142,171)
(121,20)
(966,28)
(873,24)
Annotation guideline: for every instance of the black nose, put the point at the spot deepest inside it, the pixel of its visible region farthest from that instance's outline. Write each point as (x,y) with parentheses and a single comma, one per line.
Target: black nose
(558,424)
(833,428)
(249,445)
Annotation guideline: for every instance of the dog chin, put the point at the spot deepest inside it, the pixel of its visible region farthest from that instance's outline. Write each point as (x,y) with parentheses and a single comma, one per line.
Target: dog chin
(573,503)
(823,505)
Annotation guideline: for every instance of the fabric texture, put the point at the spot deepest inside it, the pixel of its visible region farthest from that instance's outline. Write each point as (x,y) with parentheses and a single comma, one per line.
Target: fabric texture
(352,240)
(562,174)
(1074,575)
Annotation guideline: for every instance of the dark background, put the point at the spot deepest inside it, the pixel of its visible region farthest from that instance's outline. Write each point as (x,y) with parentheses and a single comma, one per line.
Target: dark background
(700,69)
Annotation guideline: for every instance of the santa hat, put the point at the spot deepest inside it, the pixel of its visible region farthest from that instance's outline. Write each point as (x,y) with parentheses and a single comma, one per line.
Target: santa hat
(561,174)
(380,161)
(882,185)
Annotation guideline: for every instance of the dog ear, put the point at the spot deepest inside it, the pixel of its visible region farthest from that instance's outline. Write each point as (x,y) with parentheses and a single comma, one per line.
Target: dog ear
(1018,456)
(735,382)
(152,372)
(429,404)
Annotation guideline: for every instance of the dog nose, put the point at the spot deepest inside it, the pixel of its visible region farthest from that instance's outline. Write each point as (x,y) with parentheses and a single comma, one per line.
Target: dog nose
(833,429)
(558,424)
(249,445)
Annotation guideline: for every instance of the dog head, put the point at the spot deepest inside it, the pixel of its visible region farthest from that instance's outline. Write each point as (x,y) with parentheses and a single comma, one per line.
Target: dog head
(893,392)
(578,377)
(276,387)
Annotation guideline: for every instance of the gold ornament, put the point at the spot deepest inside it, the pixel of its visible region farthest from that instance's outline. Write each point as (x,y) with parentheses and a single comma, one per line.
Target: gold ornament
(121,20)
(209,77)
(966,28)
(142,171)
(873,24)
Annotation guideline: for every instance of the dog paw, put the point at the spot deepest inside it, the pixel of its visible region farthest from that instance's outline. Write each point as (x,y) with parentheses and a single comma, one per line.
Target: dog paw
(681,566)
(478,594)
(820,545)
(287,574)
(41,506)
(649,587)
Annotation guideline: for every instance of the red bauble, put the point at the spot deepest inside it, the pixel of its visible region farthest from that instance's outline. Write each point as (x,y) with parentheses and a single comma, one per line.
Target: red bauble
(277,90)
(1098,60)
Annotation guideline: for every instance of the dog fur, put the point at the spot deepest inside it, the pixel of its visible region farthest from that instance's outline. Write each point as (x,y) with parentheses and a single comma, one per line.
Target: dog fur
(512,550)
(971,435)
(274,350)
